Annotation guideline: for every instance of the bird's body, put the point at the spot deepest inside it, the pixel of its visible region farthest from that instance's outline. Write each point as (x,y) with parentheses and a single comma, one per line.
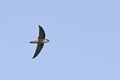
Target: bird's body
(40,41)
(37,41)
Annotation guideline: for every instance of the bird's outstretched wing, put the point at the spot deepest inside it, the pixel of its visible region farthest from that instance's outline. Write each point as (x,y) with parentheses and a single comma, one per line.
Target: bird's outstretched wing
(41,33)
(38,49)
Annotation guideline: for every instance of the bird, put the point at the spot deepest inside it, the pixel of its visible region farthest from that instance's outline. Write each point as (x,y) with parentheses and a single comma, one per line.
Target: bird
(39,41)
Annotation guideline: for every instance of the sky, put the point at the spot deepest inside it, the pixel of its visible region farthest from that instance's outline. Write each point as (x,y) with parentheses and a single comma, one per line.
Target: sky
(84,39)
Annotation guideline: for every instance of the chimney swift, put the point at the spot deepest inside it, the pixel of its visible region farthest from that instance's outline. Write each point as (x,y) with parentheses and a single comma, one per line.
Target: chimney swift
(39,41)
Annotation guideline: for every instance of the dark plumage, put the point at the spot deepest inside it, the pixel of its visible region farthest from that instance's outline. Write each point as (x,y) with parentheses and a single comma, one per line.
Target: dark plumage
(40,41)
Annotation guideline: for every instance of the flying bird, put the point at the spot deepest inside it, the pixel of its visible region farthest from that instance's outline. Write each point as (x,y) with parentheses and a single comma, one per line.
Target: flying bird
(39,41)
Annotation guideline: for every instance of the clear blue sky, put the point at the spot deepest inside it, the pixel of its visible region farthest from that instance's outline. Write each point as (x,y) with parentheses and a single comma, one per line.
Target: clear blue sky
(84,39)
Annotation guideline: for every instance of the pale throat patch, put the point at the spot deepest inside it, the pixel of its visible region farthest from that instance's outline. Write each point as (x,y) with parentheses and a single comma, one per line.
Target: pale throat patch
(45,41)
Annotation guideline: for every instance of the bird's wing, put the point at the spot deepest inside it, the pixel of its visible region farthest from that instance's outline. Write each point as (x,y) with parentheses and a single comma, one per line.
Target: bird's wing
(41,33)
(38,49)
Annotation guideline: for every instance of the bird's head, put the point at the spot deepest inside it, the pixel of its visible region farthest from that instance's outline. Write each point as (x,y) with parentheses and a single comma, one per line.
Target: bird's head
(45,40)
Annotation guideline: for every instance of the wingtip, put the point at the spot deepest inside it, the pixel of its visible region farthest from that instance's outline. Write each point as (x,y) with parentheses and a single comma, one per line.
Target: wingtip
(39,26)
(33,57)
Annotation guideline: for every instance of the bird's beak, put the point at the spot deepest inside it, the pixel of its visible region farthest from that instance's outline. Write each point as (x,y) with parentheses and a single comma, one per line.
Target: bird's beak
(48,40)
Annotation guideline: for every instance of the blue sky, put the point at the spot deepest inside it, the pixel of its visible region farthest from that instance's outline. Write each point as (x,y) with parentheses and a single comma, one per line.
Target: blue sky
(84,39)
